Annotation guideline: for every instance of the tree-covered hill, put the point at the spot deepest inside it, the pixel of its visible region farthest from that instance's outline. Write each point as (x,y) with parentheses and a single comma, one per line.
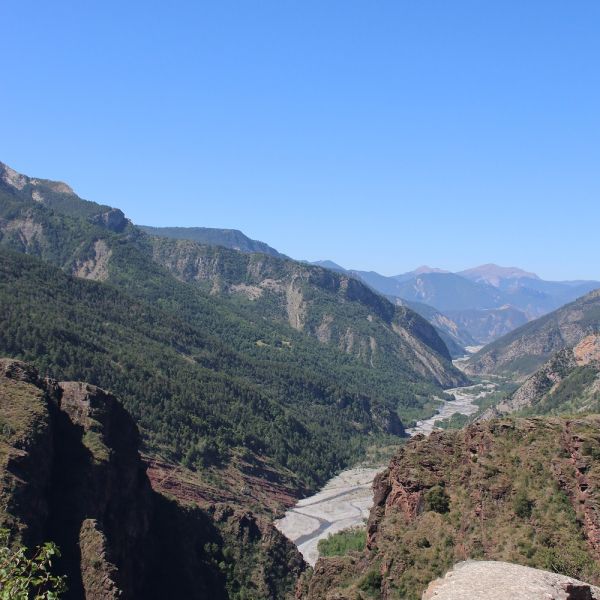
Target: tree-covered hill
(568,383)
(194,397)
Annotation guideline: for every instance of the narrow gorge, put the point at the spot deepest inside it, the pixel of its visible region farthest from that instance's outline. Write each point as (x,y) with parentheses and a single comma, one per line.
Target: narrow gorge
(346,499)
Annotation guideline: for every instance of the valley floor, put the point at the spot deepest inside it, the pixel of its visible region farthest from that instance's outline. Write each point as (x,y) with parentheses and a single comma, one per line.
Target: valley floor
(345,500)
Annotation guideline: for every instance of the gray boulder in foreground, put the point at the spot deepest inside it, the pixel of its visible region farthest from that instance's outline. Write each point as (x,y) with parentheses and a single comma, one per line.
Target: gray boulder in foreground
(494,580)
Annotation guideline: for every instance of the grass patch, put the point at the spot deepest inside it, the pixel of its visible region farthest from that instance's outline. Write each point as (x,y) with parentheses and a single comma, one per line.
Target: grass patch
(343,542)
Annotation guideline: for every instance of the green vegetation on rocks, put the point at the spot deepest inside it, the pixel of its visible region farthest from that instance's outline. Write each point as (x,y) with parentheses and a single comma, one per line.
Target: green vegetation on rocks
(524,491)
(26,574)
(342,542)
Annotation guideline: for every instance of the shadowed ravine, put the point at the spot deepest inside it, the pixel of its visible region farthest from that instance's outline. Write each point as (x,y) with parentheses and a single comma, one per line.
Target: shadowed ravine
(346,499)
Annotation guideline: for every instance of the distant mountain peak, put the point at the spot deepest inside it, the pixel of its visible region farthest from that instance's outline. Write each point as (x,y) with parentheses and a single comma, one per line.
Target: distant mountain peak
(423,269)
(18,181)
(329,264)
(494,274)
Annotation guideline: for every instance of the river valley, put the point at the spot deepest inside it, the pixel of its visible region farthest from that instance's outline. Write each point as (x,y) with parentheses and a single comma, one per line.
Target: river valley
(346,499)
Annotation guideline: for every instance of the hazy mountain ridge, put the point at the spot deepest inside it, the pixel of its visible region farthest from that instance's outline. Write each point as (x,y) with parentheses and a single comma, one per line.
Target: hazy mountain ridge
(524,350)
(454,335)
(228,238)
(494,274)
(486,302)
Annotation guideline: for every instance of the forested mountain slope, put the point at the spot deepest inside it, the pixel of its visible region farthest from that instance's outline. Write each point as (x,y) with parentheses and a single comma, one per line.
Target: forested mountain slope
(568,383)
(195,398)
(210,373)
(334,308)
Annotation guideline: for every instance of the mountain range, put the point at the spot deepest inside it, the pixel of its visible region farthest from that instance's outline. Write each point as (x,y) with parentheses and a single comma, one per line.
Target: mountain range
(183,386)
(522,351)
(479,304)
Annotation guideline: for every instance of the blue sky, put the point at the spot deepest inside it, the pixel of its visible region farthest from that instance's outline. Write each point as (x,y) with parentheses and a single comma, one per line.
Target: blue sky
(382,135)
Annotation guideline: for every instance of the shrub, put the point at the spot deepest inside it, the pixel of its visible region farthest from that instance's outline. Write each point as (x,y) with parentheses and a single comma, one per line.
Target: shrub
(339,544)
(522,505)
(371,582)
(24,578)
(437,500)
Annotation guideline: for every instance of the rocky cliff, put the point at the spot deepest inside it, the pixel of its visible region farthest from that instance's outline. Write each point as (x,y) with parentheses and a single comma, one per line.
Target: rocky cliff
(70,472)
(518,490)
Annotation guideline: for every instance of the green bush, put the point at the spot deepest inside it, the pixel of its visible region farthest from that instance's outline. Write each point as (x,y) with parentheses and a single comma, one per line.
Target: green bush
(522,505)
(437,500)
(339,544)
(28,578)
(371,582)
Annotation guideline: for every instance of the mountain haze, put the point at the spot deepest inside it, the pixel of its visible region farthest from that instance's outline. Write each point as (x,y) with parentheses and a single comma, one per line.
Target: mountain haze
(524,350)
(485,302)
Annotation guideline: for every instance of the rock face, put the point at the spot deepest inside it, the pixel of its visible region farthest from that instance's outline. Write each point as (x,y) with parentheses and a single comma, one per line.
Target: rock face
(523,351)
(524,491)
(113,219)
(490,324)
(70,472)
(490,580)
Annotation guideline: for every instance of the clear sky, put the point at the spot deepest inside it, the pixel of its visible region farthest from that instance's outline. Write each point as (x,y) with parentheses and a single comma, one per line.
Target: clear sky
(379,134)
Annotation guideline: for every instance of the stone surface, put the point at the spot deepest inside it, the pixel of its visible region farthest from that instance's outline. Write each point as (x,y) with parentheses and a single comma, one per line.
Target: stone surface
(492,580)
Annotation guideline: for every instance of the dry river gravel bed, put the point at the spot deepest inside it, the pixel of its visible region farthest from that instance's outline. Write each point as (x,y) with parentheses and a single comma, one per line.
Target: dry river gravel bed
(346,499)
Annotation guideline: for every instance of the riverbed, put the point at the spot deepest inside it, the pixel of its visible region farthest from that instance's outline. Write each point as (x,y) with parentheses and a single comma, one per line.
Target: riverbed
(346,499)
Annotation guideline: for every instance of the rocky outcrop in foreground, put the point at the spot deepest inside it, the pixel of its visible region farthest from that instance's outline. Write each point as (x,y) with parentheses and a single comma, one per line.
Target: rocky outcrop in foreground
(70,472)
(490,580)
(524,491)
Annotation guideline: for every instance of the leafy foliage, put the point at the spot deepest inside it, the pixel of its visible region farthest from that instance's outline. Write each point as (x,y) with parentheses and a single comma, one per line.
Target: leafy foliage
(437,500)
(28,577)
(342,542)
